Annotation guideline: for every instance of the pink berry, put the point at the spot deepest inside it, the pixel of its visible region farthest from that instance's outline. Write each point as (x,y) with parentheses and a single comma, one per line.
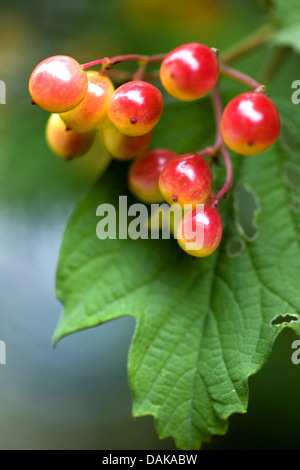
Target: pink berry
(200,231)
(135,107)
(67,144)
(186,179)
(121,146)
(250,123)
(189,71)
(91,113)
(58,84)
(144,174)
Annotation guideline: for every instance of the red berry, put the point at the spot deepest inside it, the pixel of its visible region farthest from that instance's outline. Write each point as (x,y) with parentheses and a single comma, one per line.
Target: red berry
(121,146)
(250,123)
(200,231)
(189,71)
(92,111)
(58,84)
(135,107)
(67,144)
(144,174)
(186,179)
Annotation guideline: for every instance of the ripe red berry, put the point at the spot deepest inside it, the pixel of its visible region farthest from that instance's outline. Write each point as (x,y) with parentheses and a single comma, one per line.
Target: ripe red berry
(186,179)
(58,84)
(144,174)
(189,71)
(67,144)
(92,111)
(135,107)
(250,123)
(121,146)
(200,231)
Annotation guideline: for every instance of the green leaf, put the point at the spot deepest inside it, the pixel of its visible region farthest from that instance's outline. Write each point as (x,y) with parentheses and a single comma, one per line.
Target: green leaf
(202,326)
(287,20)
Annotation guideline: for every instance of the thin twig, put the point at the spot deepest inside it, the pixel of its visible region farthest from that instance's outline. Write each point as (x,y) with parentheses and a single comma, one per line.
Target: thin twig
(109,62)
(241,77)
(219,146)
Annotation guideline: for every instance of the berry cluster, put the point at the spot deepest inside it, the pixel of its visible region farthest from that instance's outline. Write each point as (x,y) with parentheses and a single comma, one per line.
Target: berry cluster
(84,104)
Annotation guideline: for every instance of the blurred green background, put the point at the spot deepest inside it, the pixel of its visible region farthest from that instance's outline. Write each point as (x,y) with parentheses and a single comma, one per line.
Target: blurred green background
(77,396)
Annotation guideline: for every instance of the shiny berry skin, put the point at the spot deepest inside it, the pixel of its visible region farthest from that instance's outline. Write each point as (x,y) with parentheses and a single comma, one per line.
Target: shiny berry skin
(208,223)
(67,144)
(92,111)
(186,179)
(58,84)
(189,71)
(250,123)
(135,107)
(144,174)
(121,146)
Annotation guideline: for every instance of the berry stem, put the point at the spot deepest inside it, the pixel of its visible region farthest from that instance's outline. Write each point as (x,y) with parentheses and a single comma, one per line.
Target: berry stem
(109,62)
(141,72)
(219,146)
(218,109)
(241,77)
(229,176)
